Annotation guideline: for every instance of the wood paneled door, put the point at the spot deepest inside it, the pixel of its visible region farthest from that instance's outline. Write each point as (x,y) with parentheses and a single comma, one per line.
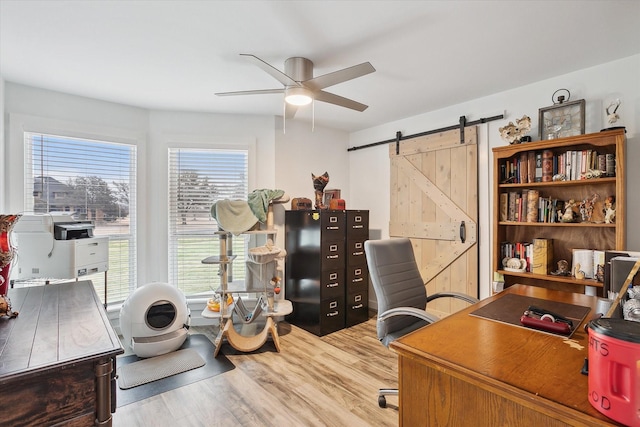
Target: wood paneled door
(434,201)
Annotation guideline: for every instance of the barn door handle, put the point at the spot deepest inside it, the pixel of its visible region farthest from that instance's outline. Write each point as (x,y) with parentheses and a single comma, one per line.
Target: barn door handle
(463,232)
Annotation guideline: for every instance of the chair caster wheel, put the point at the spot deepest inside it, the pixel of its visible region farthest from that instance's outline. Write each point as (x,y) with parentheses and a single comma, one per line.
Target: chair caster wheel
(382,402)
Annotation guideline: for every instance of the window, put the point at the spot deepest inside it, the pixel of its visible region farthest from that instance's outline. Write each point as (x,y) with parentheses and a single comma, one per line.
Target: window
(197,179)
(93,180)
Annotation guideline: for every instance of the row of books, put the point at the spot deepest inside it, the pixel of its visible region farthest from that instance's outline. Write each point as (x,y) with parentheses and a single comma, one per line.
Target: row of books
(542,166)
(528,206)
(538,254)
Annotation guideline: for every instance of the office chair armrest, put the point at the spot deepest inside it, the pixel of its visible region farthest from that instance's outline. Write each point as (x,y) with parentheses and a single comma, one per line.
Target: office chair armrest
(458,295)
(408,311)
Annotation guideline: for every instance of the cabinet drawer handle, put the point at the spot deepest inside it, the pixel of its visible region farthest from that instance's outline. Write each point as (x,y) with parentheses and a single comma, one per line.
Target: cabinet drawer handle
(333,313)
(359,279)
(357,226)
(332,285)
(332,256)
(358,253)
(333,228)
(354,307)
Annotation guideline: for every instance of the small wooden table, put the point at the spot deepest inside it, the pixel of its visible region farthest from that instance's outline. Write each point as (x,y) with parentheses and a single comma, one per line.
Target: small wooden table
(467,370)
(57,357)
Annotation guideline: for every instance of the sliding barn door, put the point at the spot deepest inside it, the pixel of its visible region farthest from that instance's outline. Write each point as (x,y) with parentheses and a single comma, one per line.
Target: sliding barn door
(434,201)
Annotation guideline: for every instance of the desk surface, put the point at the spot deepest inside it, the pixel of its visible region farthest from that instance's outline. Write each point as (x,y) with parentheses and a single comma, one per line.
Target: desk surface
(510,361)
(57,325)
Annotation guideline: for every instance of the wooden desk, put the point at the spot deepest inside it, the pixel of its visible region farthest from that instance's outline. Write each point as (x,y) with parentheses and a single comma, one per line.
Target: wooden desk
(466,370)
(57,357)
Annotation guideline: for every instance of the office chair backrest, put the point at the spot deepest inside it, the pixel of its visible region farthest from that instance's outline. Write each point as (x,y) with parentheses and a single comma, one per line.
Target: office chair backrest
(396,281)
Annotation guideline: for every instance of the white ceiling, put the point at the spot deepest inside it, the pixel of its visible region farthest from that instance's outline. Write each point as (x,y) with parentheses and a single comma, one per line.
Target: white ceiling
(174,55)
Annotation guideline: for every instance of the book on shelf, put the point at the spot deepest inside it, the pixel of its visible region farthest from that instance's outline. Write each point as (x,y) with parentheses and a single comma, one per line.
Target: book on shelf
(542,260)
(504,207)
(533,197)
(523,168)
(520,250)
(547,166)
(513,202)
(591,262)
(531,166)
(538,175)
(582,261)
(610,165)
(536,166)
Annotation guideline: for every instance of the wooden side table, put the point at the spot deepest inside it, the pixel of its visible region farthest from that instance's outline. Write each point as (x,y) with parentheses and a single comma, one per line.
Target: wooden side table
(57,357)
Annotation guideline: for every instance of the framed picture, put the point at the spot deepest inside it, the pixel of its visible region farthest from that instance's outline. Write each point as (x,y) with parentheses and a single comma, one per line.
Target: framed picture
(561,120)
(330,194)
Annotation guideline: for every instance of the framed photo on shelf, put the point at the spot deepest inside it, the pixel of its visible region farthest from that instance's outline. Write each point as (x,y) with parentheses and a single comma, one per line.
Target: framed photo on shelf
(561,120)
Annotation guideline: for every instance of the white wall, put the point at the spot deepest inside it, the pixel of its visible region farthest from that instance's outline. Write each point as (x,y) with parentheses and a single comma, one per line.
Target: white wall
(369,168)
(301,152)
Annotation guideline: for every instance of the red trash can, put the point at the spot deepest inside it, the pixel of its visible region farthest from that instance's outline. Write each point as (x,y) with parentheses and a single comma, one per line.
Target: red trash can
(614,369)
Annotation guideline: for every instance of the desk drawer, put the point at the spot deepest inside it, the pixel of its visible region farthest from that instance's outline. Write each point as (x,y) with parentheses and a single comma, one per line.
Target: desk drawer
(355,251)
(357,308)
(332,283)
(332,254)
(358,223)
(357,278)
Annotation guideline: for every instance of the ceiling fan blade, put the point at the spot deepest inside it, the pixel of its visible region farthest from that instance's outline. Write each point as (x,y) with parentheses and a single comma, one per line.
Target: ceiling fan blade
(339,100)
(271,70)
(251,92)
(339,76)
(290,110)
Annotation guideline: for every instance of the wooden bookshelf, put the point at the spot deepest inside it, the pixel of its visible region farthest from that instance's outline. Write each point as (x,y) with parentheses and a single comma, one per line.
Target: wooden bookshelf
(567,236)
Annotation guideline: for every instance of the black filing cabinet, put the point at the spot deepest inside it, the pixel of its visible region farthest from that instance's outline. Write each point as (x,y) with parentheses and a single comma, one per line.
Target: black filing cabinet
(326,274)
(357,284)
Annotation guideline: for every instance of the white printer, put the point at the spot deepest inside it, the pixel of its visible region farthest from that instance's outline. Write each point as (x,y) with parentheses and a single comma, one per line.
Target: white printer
(58,247)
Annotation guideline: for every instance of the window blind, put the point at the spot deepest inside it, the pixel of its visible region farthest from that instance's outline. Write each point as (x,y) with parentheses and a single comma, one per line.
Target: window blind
(197,179)
(93,180)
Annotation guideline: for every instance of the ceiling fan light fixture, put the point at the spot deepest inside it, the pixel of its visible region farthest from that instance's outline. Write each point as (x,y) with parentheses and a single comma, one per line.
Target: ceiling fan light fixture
(298,96)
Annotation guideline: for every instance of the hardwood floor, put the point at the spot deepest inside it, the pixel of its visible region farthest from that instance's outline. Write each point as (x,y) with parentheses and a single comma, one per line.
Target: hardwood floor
(314,381)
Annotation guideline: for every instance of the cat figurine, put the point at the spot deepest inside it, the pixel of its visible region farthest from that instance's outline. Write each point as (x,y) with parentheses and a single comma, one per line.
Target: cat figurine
(319,183)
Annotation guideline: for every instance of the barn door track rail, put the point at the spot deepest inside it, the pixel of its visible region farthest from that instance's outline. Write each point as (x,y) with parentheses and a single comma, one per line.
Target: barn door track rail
(460,126)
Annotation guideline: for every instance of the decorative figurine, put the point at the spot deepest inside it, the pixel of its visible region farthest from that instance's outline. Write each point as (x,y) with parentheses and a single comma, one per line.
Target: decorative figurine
(319,183)
(513,134)
(592,173)
(5,307)
(600,273)
(569,215)
(610,210)
(579,274)
(612,108)
(7,250)
(586,208)
(563,269)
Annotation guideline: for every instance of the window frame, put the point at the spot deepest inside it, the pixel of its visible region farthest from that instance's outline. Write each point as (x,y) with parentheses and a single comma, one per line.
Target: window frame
(205,143)
(20,124)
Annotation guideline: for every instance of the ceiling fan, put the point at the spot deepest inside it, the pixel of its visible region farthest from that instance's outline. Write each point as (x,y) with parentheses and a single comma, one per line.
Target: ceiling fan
(300,87)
